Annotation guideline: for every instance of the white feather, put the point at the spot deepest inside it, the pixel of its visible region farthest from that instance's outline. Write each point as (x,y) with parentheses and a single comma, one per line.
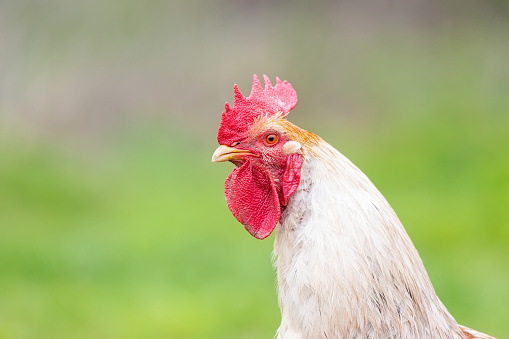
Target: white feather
(346,267)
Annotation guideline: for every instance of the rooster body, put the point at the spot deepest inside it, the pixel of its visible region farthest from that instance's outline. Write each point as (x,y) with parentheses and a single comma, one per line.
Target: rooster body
(346,268)
(343,253)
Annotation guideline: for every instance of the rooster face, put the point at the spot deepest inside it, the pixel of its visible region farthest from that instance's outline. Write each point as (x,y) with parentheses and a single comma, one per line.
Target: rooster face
(255,137)
(265,147)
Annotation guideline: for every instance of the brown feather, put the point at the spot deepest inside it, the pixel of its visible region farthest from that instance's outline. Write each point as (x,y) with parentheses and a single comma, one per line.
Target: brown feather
(472,334)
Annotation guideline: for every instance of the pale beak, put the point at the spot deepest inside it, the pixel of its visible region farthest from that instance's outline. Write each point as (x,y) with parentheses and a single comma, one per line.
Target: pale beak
(227,153)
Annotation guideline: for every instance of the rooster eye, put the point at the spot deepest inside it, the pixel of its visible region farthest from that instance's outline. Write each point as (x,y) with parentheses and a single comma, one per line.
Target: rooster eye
(271,139)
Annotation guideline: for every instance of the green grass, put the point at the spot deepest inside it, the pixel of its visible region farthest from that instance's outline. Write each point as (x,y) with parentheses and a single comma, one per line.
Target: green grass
(140,247)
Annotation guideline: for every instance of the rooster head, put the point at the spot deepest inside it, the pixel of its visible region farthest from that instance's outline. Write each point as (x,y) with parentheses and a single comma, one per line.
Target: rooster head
(255,136)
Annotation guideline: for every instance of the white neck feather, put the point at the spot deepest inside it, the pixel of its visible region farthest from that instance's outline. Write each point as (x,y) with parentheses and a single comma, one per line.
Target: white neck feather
(346,267)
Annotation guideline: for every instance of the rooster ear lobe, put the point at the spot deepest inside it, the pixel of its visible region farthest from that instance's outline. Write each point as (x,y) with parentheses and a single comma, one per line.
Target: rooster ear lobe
(291,147)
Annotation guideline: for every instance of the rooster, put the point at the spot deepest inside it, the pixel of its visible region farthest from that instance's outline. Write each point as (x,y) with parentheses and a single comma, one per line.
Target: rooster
(346,267)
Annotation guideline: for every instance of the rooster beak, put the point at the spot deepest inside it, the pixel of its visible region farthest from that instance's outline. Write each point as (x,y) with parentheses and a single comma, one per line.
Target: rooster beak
(226,153)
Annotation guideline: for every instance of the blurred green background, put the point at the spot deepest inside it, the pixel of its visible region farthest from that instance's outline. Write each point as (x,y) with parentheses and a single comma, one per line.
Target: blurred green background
(113,222)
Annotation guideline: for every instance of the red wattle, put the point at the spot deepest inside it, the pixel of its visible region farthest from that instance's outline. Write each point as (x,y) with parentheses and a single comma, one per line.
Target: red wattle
(252,198)
(291,178)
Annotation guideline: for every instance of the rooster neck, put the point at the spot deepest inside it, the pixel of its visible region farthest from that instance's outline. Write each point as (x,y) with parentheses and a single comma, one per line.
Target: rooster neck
(346,267)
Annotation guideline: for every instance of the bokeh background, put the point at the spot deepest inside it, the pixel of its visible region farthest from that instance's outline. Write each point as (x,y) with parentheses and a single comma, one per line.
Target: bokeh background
(113,222)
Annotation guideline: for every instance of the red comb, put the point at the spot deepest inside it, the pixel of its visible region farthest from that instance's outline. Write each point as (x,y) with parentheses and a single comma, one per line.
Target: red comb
(236,121)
